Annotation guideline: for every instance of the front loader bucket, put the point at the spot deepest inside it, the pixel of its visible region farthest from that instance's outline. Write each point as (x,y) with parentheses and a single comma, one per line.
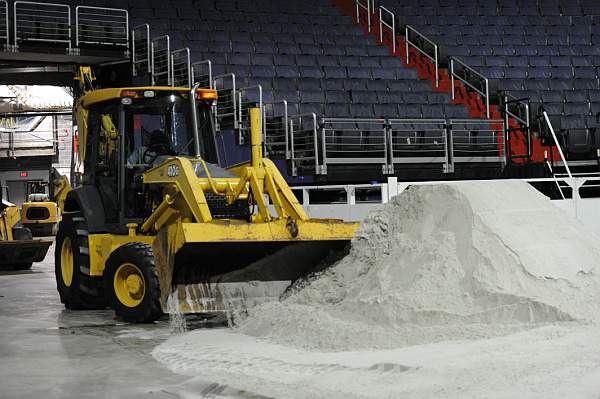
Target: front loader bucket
(21,252)
(223,266)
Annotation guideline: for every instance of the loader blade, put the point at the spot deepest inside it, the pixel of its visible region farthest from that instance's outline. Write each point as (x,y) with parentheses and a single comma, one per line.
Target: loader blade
(235,267)
(21,252)
(265,279)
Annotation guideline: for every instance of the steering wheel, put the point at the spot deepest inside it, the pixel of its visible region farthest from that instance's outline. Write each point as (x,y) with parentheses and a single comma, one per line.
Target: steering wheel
(157,149)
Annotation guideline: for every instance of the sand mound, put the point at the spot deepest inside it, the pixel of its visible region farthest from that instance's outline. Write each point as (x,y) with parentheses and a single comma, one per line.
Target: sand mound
(446,261)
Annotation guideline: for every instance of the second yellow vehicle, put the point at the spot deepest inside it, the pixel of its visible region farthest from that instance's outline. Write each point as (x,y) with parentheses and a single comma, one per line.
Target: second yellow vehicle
(38,213)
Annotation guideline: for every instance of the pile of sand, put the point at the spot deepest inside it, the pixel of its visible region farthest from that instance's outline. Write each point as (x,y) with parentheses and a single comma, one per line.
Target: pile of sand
(445,261)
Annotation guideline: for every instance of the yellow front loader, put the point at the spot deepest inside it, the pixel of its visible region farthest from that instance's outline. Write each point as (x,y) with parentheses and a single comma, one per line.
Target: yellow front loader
(38,213)
(17,248)
(156,225)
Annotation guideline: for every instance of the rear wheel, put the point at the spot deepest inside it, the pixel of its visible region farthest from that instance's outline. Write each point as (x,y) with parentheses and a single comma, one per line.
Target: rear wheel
(76,287)
(131,283)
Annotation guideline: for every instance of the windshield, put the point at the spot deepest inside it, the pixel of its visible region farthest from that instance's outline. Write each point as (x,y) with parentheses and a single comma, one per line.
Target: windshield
(162,126)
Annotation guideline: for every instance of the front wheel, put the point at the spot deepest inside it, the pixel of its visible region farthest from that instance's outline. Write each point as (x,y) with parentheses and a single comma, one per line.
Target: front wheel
(131,283)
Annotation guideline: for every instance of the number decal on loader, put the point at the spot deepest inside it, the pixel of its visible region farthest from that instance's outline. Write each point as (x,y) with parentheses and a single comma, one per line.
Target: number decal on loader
(173,170)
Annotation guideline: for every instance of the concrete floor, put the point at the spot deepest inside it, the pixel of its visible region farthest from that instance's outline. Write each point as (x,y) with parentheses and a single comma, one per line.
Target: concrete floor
(49,352)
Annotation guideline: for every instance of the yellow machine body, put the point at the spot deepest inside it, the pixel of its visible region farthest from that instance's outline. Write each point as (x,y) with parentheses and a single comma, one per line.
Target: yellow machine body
(41,217)
(209,263)
(17,249)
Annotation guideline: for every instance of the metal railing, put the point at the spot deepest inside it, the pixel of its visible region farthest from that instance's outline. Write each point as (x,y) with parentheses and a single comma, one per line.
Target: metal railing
(389,142)
(519,110)
(101,26)
(304,144)
(140,50)
(390,25)
(41,22)
(557,144)
(349,141)
(422,48)
(202,73)
(160,54)
(464,73)
(367,6)
(420,141)
(226,109)
(181,69)
(249,97)
(4,25)
(277,128)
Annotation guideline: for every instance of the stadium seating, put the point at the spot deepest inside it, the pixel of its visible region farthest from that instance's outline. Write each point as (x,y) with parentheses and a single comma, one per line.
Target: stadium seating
(304,52)
(546,51)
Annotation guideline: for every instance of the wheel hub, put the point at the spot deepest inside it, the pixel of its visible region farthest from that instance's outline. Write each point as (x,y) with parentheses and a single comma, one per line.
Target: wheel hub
(66,262)
(129,285)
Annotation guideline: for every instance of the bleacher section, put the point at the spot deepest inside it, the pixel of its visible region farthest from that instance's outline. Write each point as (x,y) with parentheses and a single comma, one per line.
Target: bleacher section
(355,89)
(321,64)
(546,51)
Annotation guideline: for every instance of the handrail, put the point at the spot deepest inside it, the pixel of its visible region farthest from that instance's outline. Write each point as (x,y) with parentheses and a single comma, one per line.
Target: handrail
(165,61)
(382,23)
(368,8)
(181,70)
(318,168)
(196,66)
(434,58)
(524,122)
(484,93)
(141,56)
(560,151)
(555,180)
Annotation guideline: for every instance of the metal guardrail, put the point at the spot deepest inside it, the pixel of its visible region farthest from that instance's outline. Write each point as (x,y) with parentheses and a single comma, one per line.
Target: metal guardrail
(464,73)
(160,54)
(304,144)
(421,48)
(41,22)
(101,26)
(276,128)
(4,25)
(249,97)
(557,144)
(350,141)
(369,7)
(202,73)
(390,25)
(226,109)
(140,50)
(388,142)
(519,110)
(181,68)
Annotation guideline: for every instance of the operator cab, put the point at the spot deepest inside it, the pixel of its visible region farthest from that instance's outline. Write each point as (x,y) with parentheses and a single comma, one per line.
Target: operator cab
(139,129)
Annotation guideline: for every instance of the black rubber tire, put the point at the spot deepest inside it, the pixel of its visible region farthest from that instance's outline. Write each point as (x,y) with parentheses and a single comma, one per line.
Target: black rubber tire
(140,255)
(85,291)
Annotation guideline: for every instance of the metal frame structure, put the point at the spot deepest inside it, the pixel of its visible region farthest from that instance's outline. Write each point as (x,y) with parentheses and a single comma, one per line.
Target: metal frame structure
(101,26)
(226,99)
(302,135)
(246,100)
(434,58)
(4,25)
(276,129)
(519,110)
(383,24)
(205,79)
(483,92)
(161,61)
(29,17)
(140,50)
(367,136)
(181,68)
(369,7)
(379,142)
